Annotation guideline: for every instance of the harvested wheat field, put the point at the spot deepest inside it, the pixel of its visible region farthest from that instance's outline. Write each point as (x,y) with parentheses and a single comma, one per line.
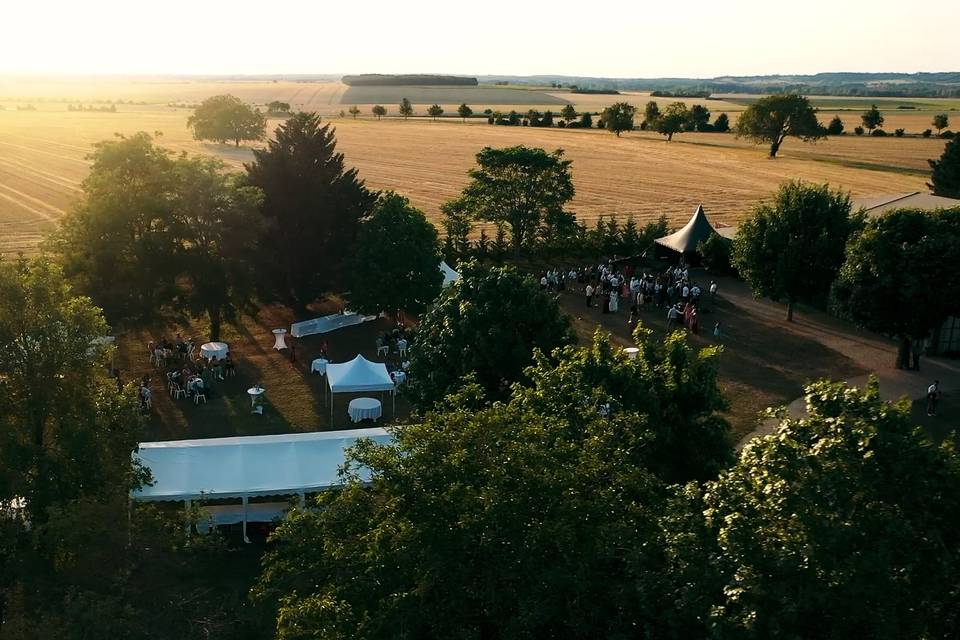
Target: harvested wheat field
(43,161)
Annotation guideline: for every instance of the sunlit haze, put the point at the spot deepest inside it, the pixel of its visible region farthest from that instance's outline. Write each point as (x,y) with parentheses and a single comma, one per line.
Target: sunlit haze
(693,39)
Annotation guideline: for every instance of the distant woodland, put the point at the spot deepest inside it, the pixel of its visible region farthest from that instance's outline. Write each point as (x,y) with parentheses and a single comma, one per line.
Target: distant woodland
(382,80)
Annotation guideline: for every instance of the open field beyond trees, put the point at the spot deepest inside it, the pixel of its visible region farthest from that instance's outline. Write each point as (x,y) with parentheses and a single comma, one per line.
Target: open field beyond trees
(43,153)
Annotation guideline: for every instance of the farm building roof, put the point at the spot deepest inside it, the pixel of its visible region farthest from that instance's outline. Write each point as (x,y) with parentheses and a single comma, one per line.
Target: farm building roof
(876,205)
(692,234)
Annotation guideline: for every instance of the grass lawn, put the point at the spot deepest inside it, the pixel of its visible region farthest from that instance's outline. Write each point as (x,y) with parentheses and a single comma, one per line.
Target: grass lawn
(294,398)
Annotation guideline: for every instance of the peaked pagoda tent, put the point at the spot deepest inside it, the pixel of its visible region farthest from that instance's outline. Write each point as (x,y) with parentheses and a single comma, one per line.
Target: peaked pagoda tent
(358,376)
(686,240)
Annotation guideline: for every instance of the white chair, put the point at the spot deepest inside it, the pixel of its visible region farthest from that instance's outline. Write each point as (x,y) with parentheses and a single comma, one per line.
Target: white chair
(199,395)
(402,347)
(178,392)
(383,349)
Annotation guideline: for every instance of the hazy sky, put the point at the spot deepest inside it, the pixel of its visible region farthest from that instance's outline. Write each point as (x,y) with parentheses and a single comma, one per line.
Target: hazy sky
(625,39)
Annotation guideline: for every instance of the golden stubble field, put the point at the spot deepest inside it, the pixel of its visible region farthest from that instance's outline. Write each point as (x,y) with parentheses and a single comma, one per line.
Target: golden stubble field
(43,162)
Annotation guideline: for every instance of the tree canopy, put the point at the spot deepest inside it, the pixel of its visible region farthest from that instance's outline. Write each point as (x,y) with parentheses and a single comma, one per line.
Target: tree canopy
(722,123)
(406,109)
(312,206)
(699,117)
(487,324)
(651,113)
(379,111)
(226,117)
(396,266)
(899,277)
(434,111)
(940,122)
(517,186)
(835,128)
(872,118)
(790,249)
(619,117)
(945,171)
(464,111)
(156,231)
(771,119)
(839,525)
(531,518)
(673,120)
(568,113)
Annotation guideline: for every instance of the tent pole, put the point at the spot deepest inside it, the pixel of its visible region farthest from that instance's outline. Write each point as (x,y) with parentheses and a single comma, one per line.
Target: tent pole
(245,538)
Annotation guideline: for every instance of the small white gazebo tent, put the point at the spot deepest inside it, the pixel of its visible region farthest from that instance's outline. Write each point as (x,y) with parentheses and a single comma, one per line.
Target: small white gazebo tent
(449,275)
(358,376)
(246,467)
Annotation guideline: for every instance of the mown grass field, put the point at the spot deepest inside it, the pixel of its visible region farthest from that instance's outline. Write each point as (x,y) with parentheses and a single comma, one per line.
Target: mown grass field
(43,160)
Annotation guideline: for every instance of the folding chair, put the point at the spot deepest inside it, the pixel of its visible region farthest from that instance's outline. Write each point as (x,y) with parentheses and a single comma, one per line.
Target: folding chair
(198,396)
(178,391)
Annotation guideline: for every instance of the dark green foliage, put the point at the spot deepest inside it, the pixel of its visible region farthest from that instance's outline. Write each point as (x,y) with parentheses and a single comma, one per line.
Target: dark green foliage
(858,130)
(699,117)
(487,324)
(379,111)
(674,119)
(619,117)
(878,132)
(532,518)
(840,525)
(651,113)
(900,276)
(926,133)
(435,111)
(940,122)
(791,248)
(396,264)
(835,128)
(517,186)
(226,117)
(568,113)
(898,132)
(458,224)
(406,109)
(872,118)
(722,123)
(464,111)
(945,172)
(354,111)
(312,205)
(771,119)
(277,107)
(586,120)
(716,254)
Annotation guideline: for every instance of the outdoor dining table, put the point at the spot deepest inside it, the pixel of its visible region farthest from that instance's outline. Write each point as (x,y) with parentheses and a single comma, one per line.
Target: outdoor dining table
(211,350)
(279,342)
(364,409)
(319,366)
(255,393)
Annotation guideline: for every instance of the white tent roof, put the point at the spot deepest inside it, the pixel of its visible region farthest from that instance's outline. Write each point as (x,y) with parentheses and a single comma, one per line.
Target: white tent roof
(358,375)
(449,275)
(249,466)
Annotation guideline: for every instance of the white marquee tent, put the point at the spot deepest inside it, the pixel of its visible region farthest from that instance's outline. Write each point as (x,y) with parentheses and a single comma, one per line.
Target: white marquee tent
(246,467)
(357,376)
(449,275)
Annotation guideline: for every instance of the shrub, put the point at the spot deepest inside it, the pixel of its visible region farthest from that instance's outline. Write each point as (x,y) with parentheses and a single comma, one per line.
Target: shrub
(926,133)
(858,131)
(898,133)
(947,135)
(878,132)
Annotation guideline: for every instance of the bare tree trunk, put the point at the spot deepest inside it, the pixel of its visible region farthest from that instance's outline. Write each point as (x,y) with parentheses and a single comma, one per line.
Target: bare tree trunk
(903,353)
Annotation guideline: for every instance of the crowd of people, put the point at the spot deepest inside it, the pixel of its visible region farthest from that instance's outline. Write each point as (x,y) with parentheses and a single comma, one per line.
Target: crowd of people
(610,285)
(394,346)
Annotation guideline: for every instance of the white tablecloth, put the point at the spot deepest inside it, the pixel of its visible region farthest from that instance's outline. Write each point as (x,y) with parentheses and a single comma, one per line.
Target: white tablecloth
(364,409)
(255,393)
(399,377)
(211,350)
(319,366)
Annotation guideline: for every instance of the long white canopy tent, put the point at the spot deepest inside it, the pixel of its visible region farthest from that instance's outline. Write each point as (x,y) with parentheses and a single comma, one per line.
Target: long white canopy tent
(358,376)
(246,467)
(449,275)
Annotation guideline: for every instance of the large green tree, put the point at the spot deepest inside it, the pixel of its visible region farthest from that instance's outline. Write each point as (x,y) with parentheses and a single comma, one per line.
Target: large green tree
(313,205)
(517,186)
(379,111)
(841,524)
(945,171)
(699,117)
(396,265)
(226,117)
(532,518)
(791,248)
(66,431)
(872,118)
(406,109)
(487,324)
(464,111)
(651,113)
(116,243)
(217,227)
(568,113)
(674,119)
(618,117)
(771,119)
(940,122)
(434,111)
(900,276)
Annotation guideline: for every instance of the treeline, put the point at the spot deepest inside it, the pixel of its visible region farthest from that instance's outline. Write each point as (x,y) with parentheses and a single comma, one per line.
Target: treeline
(108,108)
(603,92)
(680,94)
(384,80)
